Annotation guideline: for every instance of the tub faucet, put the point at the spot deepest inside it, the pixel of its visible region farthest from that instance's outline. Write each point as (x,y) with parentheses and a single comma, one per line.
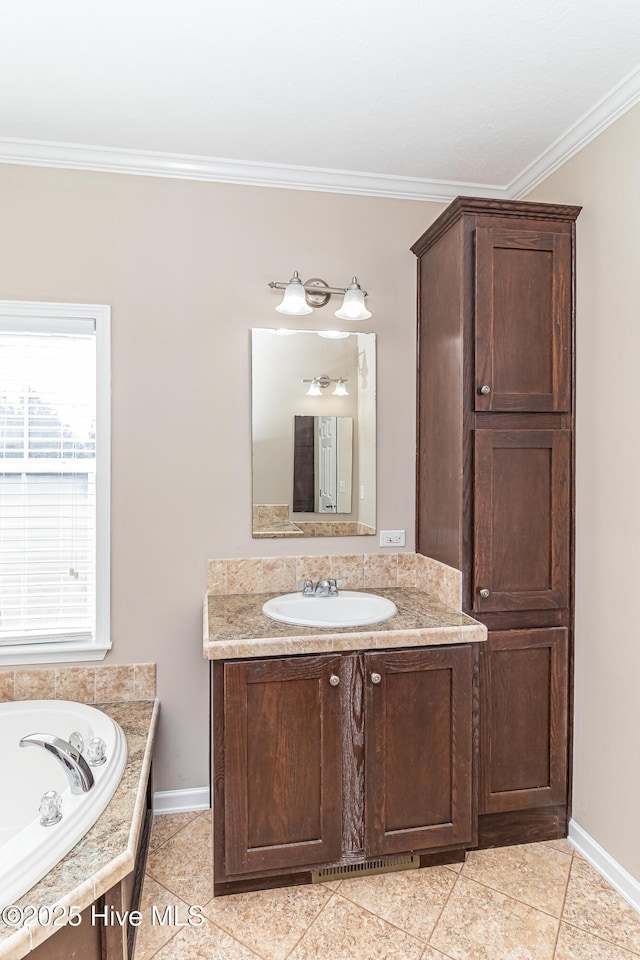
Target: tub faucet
(75,766)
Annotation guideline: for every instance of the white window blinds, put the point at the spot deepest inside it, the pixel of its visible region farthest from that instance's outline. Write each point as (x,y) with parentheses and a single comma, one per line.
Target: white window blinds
(47,482)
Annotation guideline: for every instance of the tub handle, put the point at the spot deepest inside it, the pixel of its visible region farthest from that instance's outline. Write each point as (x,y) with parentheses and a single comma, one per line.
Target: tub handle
(77,740)
(97,752)
(50,808)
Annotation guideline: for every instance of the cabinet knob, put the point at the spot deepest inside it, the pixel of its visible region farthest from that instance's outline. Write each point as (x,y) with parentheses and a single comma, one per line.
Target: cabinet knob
(485,389)
(333,680)
(375,678)
(484,593)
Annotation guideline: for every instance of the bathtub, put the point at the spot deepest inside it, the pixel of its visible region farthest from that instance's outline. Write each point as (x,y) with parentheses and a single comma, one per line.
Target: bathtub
(29,850)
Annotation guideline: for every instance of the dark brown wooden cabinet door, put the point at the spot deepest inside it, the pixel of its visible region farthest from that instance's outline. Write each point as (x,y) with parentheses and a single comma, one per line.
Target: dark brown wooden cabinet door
(521,520)
(283,767)
(418,749)
(523,320)
(303,464)
(523,719)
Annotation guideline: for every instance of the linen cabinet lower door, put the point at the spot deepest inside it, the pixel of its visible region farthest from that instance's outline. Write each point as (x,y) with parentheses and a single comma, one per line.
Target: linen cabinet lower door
(283,767)
(523,719)
(418,749)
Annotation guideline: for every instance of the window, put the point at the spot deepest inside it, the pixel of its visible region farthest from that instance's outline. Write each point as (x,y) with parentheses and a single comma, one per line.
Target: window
(54,482)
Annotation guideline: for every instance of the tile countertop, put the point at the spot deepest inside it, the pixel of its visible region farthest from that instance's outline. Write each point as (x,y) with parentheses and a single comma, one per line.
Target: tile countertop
(106,853)
(235,626)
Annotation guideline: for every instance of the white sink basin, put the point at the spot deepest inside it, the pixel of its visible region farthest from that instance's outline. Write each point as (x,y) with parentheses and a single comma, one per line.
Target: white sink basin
(349,609)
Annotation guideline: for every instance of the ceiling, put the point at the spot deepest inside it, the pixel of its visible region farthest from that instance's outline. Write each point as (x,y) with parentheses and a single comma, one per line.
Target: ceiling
(390,97)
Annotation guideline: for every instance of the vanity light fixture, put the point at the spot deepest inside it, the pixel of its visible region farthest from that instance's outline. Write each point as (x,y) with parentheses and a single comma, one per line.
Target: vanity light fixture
(353,307)
(314,388)
(333,334)
(341,388)
(318,384)
(299,298)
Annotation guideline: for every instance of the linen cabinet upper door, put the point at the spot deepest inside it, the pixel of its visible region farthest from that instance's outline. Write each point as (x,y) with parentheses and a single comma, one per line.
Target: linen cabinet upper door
(523,320)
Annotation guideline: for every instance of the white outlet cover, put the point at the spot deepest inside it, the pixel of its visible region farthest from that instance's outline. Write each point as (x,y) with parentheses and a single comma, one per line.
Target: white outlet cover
(392,538)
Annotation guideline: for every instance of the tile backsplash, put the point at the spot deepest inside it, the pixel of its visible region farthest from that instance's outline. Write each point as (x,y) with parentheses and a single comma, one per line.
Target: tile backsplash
(102,684)
(357,571)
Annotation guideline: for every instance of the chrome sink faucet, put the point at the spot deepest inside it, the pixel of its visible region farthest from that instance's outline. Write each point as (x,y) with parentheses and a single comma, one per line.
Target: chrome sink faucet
(75,766)
(323,588)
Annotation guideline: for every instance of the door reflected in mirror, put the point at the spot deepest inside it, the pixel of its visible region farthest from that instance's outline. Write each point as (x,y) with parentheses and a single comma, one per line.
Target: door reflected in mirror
(322,464)
(314,434)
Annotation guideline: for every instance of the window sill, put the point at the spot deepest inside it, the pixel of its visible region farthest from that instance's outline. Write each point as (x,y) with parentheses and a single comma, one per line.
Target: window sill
(66,652)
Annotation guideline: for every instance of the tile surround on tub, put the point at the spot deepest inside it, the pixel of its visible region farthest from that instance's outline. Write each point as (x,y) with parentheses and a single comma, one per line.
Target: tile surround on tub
(357,571)
(106,683)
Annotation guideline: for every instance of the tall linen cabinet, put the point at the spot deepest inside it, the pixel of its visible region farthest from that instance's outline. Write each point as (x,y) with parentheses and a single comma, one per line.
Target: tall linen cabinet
(495,484)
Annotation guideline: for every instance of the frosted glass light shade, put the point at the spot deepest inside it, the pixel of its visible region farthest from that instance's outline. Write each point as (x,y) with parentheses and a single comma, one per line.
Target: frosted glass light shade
(333,334)
(353,307)
(314,389)
(341,389)
(293,302)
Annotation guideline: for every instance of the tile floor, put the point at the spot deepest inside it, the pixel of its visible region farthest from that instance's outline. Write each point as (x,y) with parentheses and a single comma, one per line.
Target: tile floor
(535,902)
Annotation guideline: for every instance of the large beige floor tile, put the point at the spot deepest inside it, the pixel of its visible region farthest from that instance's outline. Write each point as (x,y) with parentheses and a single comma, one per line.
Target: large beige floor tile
(165,826)
(344,931)
(576,944)
(411,900)
(269,921)
(563,845)
(596,907)
(153,935)
(478,923)
(535,873)
(205,942)
(184,864)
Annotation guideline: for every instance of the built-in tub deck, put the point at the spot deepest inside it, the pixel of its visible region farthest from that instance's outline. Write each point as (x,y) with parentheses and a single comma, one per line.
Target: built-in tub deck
(107,853)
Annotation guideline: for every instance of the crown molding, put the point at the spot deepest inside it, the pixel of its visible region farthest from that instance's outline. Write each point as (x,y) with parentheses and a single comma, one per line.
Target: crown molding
(72,156)
(590,125)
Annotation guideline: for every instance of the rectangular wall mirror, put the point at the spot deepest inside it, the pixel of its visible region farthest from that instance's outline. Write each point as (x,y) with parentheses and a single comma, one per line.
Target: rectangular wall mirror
(313,434)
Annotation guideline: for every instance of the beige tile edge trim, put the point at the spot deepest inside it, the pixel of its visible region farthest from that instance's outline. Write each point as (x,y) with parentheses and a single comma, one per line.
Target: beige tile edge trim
(106,683)
(288,646)
(357,571)
(140,804)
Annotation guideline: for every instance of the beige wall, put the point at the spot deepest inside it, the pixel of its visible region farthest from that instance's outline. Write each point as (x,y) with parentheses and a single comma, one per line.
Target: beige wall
(185,267)
(605,179)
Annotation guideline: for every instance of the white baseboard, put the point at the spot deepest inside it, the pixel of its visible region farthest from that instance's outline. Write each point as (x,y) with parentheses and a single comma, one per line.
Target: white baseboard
(622,881)
(181,801)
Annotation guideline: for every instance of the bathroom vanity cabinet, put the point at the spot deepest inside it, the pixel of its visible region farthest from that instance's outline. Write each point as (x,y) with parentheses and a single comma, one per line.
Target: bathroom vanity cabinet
(495,483)
(337,760)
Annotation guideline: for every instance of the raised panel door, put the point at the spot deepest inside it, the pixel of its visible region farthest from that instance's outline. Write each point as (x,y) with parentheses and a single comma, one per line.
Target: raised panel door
(523,720)
(521,520)
(283,767)
(418,749)
(523,320)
